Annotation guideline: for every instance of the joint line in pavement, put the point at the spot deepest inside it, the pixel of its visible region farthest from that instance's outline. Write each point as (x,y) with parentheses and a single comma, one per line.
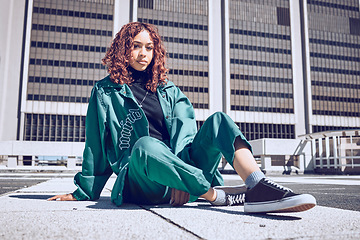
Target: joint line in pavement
(171,222)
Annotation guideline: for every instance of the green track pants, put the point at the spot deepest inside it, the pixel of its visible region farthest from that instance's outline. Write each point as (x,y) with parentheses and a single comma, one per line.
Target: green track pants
(154,169)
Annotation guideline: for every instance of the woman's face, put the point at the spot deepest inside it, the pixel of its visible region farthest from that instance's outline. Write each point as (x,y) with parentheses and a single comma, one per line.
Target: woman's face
(142,52)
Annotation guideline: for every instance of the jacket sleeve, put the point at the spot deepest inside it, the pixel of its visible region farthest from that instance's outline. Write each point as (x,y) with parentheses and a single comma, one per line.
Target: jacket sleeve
(95,167)
(183,122)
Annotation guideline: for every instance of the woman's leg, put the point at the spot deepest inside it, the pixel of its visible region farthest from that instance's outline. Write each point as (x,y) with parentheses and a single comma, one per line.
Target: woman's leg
(154,170)
(153,166)
(243,162)
(220,136)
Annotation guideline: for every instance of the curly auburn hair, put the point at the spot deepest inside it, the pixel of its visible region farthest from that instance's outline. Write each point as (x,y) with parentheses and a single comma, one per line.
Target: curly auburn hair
(117,58)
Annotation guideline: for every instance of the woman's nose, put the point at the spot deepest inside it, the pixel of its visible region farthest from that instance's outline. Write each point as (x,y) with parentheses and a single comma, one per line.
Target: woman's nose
(142,51)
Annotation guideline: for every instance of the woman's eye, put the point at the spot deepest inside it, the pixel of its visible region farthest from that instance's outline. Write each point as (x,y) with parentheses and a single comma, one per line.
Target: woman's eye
(136,46)
(149,48)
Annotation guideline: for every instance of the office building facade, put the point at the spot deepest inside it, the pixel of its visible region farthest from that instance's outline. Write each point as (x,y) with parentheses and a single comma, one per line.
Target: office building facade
(67,40)
(279,68)
(334,64)
(261,77)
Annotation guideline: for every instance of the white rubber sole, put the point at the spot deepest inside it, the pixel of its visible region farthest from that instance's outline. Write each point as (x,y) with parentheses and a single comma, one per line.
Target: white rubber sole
(296,203)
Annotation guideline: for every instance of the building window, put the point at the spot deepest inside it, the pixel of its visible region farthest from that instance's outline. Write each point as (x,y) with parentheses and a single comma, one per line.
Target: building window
(54,128)
(146,4)
(318,128)
(283,16)
(254,131)
(354,26)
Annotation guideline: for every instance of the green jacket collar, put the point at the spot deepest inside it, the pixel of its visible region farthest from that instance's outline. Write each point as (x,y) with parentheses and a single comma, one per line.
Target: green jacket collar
(125,90)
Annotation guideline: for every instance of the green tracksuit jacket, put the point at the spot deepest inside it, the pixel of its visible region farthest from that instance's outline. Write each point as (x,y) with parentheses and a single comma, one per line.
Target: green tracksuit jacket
(114,122)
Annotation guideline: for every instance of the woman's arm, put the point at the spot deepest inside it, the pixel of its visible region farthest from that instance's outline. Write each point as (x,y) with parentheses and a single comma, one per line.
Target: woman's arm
(96,169)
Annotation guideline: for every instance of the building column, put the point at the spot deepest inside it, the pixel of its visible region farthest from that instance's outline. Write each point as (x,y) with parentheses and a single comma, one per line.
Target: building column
(305,54)
(71,162)
(265,162)
(297,67)
(12,162)
(125,11)
(12,15)
(216,71)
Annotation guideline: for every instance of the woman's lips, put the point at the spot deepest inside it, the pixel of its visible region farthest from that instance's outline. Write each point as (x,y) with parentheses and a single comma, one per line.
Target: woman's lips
(143,62)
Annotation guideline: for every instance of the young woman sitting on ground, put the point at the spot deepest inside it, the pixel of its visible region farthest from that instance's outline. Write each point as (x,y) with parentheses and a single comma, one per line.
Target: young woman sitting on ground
(141,127)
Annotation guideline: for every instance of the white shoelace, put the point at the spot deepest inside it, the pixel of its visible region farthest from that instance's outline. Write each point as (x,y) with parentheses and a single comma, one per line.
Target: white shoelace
(277,185)
(236,199)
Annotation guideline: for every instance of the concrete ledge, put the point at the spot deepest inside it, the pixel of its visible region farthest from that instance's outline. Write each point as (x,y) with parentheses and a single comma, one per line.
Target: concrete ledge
(33,148)
(39,169)
(271,146)
(266,149)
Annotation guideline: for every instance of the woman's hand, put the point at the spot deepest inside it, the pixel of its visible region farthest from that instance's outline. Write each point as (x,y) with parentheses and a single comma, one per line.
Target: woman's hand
(64,197)
(179,198)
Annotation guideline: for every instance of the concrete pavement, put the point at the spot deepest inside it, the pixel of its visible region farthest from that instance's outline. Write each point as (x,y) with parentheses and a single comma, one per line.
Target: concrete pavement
(25,214)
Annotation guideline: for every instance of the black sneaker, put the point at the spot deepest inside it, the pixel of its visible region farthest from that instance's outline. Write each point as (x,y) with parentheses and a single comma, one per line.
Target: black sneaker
(268,196)
(234,195)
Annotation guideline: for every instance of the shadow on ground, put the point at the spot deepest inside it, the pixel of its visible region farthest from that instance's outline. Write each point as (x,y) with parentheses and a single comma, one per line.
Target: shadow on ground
(106,204)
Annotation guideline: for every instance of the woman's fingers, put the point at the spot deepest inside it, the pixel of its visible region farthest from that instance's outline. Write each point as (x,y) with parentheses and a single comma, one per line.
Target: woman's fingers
(179,198)
(174,197)
(187,198)
(54,198)
(64,197)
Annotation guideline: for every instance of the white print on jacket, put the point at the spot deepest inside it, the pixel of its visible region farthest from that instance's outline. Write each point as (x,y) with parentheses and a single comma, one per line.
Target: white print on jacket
(134,115)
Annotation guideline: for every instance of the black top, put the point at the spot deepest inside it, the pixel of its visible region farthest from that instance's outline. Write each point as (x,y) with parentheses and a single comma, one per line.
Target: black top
(150,104)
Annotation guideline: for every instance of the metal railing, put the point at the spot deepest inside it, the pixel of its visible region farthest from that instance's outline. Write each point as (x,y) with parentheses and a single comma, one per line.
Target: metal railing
(35,155)
(336,150)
